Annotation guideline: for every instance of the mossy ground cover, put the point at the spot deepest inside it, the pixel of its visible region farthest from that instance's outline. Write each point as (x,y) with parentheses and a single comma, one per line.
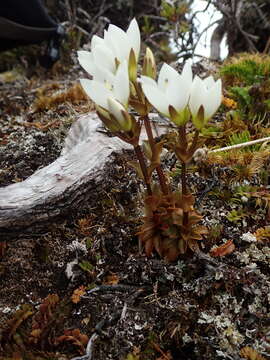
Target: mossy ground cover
(209,306)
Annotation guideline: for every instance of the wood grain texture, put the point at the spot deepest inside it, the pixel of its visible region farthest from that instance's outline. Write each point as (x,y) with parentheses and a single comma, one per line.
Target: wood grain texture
(62,185)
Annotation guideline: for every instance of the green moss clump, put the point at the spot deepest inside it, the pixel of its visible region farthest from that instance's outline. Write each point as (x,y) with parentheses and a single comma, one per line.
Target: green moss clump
(247,80)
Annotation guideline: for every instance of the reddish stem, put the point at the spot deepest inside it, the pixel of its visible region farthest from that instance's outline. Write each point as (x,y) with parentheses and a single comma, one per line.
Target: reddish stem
(183,138)
(140,157)
(161,177)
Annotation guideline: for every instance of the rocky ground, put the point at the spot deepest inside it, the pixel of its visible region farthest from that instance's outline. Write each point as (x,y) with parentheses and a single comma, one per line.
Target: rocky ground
(84,287)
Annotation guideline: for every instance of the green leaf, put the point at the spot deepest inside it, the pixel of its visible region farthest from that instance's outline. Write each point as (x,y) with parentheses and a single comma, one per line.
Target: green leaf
(86,266)
(241,94)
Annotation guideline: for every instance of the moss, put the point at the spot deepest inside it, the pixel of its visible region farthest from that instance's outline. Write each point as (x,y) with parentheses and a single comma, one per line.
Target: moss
(246,79)
(245,70)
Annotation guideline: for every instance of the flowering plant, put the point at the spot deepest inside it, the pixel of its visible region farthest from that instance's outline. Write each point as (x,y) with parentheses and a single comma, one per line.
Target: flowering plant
(171,225)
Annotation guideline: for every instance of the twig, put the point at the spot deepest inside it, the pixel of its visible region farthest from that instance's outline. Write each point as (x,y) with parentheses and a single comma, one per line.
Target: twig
(248,143)
(204,30)
(89,349)
(202,152)
(98,328)
(105,288)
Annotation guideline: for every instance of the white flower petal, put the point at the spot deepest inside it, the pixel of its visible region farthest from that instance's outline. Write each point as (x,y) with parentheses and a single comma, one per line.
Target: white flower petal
(96,40)
(103,75)
(178,93)
(86,61)
(116,108)
(121,83)
(119,41)
(109,43)
(187,73)
(97,92)
(209,82)
(166,75)
(197,95)
(134,36)
(179,87)
(214,98)
(157,98)
(104,57)
(146,80)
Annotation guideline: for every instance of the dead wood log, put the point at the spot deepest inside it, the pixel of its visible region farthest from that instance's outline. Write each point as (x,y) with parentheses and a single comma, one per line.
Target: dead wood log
(62,185)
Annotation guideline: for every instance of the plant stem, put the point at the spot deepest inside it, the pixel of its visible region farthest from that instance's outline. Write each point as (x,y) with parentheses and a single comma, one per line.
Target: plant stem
(140,157)
(184,178)
(183,138)
(194,143)
(161,177)
(184,190)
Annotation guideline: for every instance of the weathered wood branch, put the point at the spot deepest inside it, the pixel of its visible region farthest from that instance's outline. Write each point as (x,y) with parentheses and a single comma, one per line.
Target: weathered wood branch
(216,39)
(62,185)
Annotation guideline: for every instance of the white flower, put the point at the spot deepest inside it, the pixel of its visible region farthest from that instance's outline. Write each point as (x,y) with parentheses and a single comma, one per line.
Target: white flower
(110,51)
(121,42)
(170,94)
(206,94)
(112,99)
(118,89)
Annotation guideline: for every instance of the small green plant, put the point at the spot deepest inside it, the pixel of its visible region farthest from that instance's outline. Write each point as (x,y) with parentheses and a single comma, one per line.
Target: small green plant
(236,215)
(241,94)
(215,233)
(241,138)
(241,194)
(86,266)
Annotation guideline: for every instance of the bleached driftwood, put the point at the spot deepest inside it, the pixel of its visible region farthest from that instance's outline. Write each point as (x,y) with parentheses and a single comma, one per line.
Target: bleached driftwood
(62,185)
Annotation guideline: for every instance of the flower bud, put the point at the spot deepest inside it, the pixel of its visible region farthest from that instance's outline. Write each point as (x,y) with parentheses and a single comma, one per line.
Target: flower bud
(119,113)
(132,66)
(149,64)
(109,123)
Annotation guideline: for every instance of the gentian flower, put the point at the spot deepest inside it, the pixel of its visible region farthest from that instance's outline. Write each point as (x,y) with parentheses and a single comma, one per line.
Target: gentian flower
(205,98)
(118,88)
(108,52)
(170,94)
(111,98)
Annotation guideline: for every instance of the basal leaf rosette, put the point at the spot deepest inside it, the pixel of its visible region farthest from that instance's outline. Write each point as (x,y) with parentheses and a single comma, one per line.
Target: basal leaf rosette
(163,229)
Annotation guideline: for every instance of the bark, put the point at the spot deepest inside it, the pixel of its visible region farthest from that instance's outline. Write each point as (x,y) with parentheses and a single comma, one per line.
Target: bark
(216,39)
(58,188)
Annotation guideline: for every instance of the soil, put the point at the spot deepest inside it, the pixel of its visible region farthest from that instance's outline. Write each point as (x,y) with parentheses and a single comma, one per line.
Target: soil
(84,286)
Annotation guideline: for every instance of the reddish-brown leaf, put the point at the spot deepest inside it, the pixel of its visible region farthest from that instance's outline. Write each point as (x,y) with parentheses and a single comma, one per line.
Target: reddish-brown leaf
(77,294)
(223,249)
